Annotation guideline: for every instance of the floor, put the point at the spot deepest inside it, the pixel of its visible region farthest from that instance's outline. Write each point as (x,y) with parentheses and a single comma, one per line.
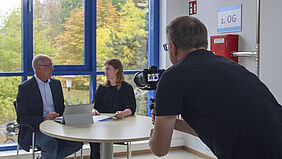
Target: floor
(174,154)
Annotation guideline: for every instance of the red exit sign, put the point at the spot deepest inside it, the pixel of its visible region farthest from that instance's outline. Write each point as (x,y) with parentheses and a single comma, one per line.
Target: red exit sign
(192,7)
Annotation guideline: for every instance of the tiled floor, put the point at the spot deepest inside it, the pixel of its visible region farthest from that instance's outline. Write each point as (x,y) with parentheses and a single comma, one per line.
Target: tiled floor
(174,154)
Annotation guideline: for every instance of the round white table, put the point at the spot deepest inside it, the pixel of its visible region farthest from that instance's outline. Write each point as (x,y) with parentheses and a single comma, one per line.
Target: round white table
(132,128)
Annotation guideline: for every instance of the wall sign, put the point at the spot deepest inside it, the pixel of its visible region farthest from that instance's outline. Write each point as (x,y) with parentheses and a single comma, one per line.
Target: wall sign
(192,7)
(229,19)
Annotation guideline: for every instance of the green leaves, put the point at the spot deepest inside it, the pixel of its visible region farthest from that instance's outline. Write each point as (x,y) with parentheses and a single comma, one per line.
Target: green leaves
(8,94)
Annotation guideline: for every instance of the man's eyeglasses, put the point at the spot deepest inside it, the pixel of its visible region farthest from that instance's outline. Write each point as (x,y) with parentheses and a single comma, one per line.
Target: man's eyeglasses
(165,46)
(50,66)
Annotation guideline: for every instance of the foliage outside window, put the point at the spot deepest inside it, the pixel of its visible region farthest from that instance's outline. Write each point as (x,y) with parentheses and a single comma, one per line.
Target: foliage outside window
(58,30)
(10,37)
(8,93)
(10,61)
(122,32)
(79,91)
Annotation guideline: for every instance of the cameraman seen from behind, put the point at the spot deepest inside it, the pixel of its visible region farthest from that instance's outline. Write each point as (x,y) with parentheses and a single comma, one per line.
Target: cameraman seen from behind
(224,104)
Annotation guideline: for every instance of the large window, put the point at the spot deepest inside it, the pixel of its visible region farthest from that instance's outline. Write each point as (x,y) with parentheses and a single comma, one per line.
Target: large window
(122,32)
(10,36)
(58,30)
(8,93)
(79,36)
(10,61)
(78,91)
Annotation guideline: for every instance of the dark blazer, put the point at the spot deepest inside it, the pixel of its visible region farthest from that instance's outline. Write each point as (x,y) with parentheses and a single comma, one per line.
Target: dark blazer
(30,107)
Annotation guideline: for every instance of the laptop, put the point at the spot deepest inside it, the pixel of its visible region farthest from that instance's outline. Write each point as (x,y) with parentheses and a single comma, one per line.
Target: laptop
(77,114)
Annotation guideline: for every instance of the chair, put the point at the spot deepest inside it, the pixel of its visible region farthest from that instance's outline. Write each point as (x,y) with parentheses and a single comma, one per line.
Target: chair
(11,131)
(34,148)
(81,153)
(128,148)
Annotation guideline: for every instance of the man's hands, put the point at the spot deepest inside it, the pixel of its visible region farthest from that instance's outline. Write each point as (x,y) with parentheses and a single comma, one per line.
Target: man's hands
(153,113)
(51,116)
(161,134)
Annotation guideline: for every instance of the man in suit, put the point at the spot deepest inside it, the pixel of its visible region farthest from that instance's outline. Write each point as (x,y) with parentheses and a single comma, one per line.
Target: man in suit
(41,98)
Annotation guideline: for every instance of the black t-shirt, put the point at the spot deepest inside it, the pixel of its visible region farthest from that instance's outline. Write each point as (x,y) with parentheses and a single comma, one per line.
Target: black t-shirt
(230,109)
(110,99)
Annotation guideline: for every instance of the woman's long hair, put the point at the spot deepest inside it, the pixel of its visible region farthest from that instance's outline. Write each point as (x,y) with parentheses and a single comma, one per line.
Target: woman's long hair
(116,64)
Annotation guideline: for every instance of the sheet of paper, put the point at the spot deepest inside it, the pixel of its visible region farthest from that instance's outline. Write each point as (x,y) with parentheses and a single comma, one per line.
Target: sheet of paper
(99,118)
(59,119)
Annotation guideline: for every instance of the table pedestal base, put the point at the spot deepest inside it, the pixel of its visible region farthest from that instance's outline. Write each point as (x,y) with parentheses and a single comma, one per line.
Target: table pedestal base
(107,151)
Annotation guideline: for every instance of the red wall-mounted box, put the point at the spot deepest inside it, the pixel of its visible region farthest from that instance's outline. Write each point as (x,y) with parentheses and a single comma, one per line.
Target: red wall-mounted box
(225,44)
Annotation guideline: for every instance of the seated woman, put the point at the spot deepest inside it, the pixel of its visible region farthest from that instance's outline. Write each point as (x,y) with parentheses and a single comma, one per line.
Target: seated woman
(114,96)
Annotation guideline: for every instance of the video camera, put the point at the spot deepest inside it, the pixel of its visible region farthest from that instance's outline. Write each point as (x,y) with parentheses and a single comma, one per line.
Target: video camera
(148,78)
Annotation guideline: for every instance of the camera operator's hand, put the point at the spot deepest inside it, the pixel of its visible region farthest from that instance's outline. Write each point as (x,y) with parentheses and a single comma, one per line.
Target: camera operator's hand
(153,113)
(151,133)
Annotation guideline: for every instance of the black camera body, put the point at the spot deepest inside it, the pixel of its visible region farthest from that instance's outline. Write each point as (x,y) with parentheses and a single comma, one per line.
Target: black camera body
(148,78)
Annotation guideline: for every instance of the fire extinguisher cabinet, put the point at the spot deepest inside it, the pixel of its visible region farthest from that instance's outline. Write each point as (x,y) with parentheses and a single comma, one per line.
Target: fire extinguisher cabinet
(225,44)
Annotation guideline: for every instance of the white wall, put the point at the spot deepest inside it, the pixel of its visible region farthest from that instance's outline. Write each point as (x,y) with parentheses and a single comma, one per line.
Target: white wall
(169,9)
(207,13)
(271,54)
(271,32)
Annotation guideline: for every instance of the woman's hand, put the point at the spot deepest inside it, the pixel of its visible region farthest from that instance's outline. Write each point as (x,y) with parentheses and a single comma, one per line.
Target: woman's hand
(123,114)
(119,115)
(95,112)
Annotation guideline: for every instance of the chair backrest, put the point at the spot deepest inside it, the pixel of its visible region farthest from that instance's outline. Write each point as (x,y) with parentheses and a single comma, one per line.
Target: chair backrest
(16,106)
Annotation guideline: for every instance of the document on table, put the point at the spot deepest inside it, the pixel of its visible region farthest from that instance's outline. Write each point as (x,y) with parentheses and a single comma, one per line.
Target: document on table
(99,118)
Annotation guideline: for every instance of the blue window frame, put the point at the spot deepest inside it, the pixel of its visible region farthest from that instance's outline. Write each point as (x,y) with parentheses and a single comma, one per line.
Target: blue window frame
(89,66)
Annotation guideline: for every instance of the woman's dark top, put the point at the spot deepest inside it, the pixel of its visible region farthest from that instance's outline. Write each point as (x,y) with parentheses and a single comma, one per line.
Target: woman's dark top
(110,99)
